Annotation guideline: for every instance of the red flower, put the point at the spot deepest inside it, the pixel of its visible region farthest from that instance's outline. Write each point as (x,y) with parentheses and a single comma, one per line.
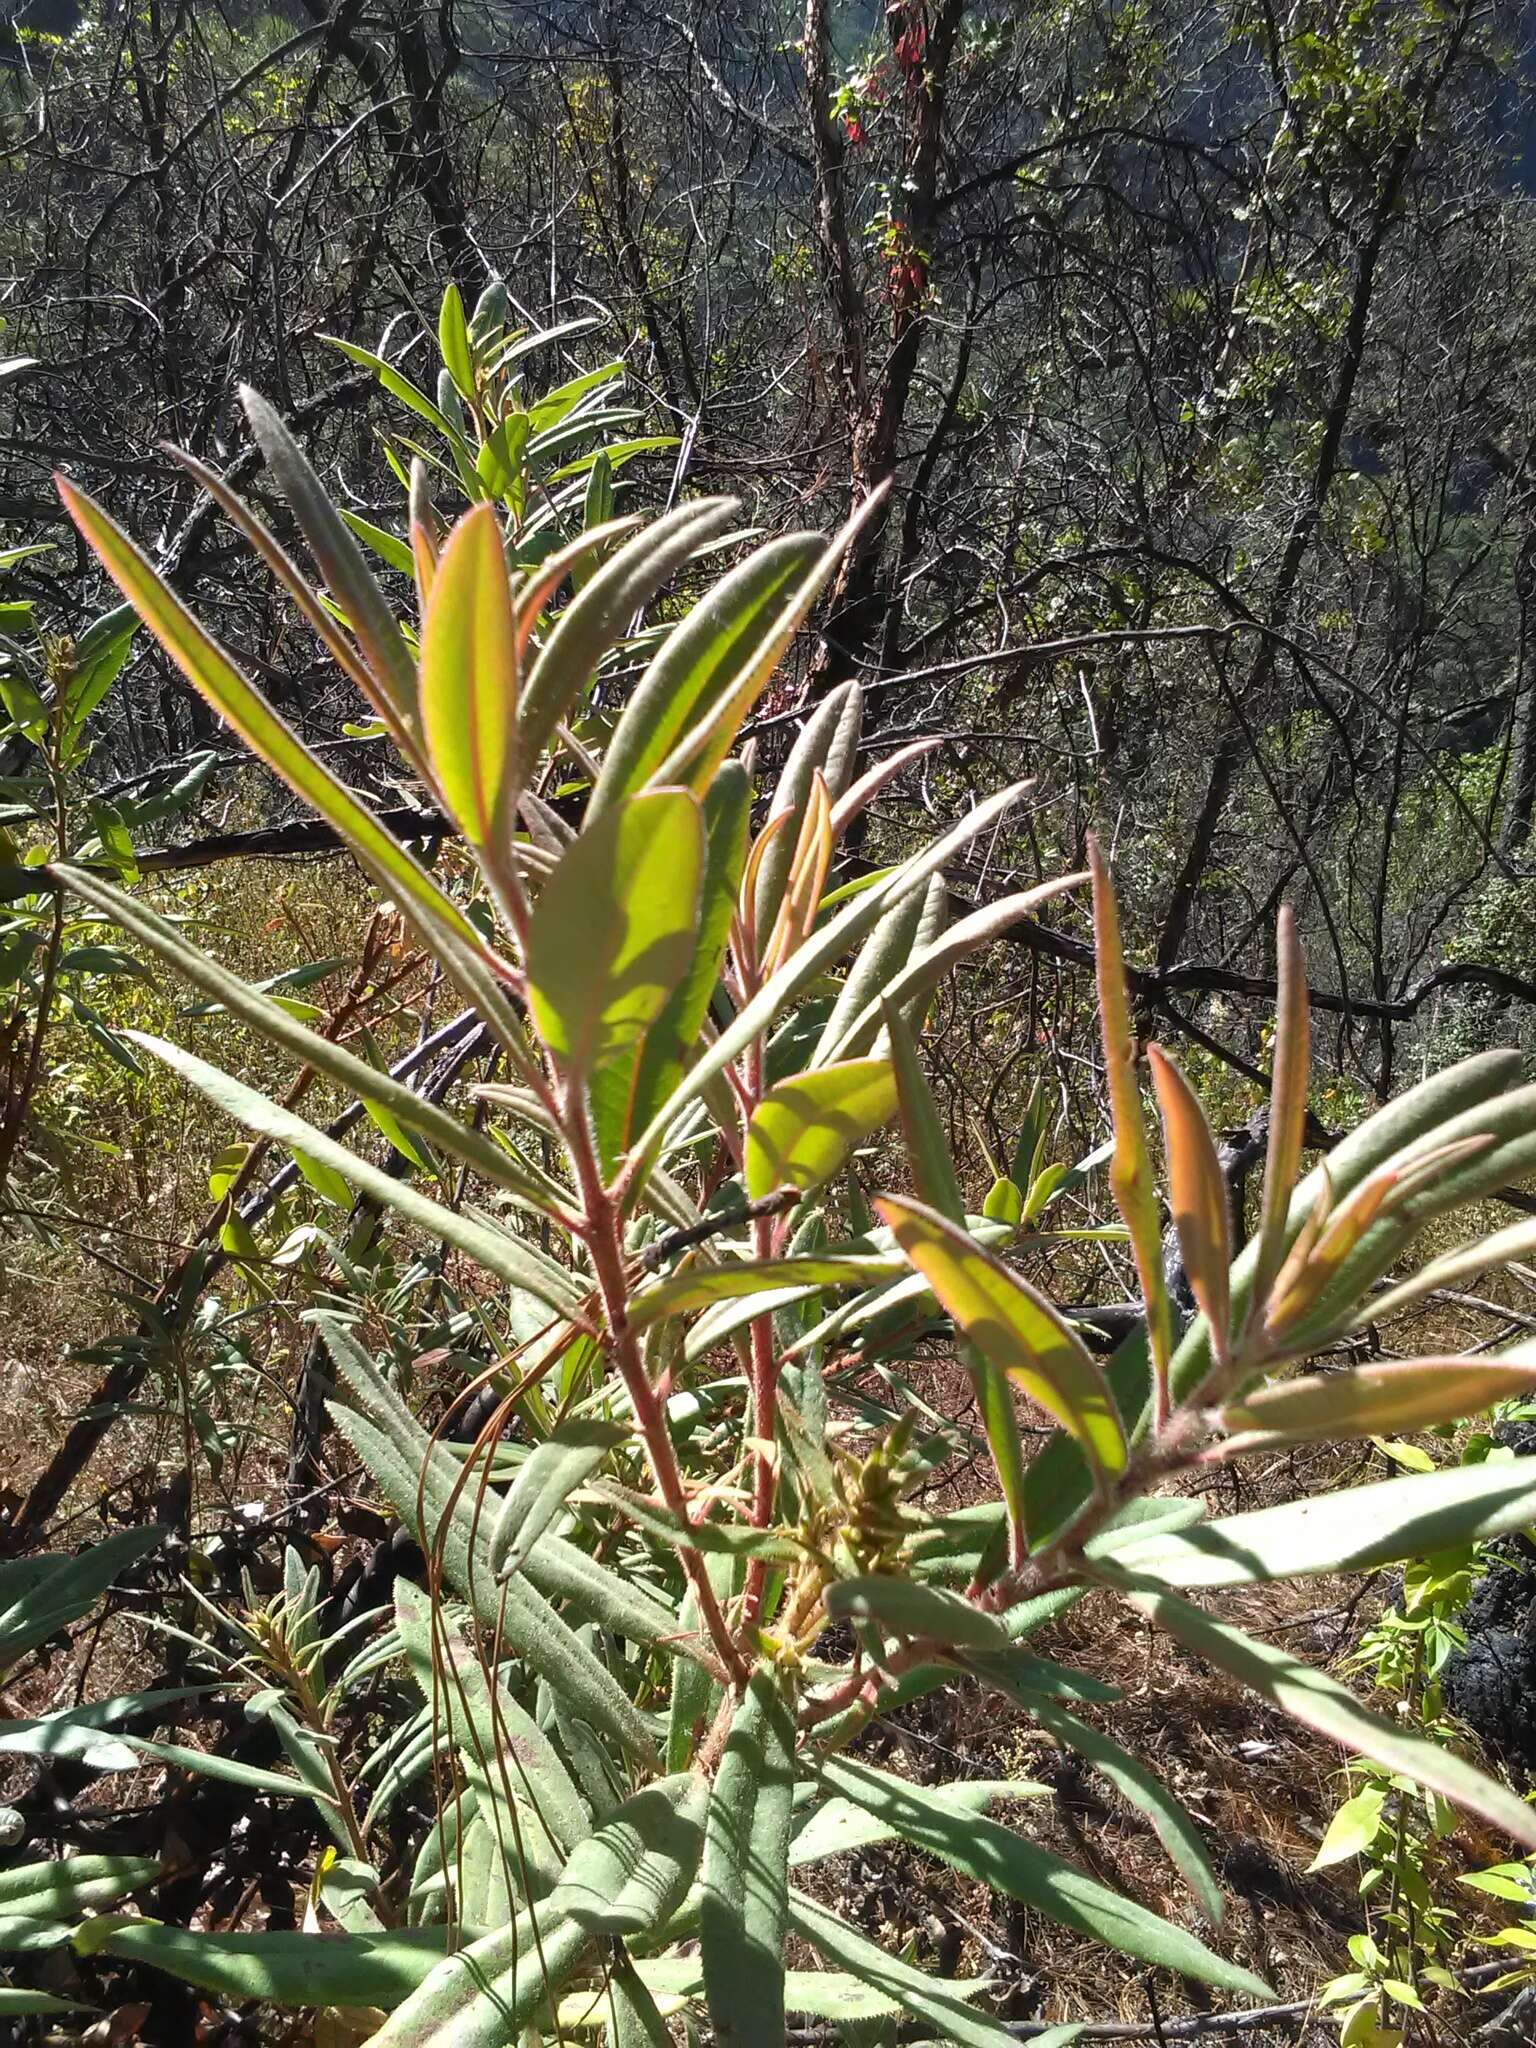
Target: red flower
(855,131)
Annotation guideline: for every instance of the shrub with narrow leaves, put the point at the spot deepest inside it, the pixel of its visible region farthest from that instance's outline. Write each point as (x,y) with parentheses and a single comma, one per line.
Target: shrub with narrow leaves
(655,1629)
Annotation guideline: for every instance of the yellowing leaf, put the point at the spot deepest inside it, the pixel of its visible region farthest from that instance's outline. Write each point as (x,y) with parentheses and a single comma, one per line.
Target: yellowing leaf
(1130,1172)
(1409,1394)
(803,1130)
(1013,1328)
(469,675)
(1198,1194)
(613,931)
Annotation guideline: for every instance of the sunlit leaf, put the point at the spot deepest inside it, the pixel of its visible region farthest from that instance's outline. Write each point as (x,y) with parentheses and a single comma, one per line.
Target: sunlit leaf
(1407,1394)
(803,1130)
(744,1903)
(1130,1172)
(614,927)
(995,1856)
(1197,1193)
(469,676)
(1013,1327)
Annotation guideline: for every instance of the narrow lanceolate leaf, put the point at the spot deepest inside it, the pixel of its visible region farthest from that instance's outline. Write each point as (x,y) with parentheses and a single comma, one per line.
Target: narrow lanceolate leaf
(903,1607)
(1354,1530)
(497,1250)
(41,1595)
(1198,1194)
(1058,1482)
(1175,1828)
(209,669)
(277,1967)
(743,1909)
(700,751)
(701,654)
(64,1887)
(634,1871)
(340,559)
(453,343)
(1130,1172)
(727,813)
(508,1757)
(448,1133)
(469,676)
(1287,1103)
(938,2002)
(1517,1241)
(1399,1396)
(553,1469)
(794,1278)
(933,1168)
(914,968)
(1004,1861)
(1013,1327)
(1317,1701)
(828,945)
(600,615)
(614,928)
(824,747)
(486,1994)
(803,1130)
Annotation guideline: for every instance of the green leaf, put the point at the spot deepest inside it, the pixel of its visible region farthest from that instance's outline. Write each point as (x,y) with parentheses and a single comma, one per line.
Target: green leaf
(14,2000)
(497,1250)
(486,1994)
(1130,1171)
(1317,1701)
(792,1278)
(502,1167)
(552,1469)
(1352,1829)
(902,1607)
(210,670)
(281,1968)
(613,931)
(453,342)
(420,1479)
(826,743)
(994,1856)
(1353,1530)
(660,1056)
(1058,1479)
(699,659)
(230,1770)
(803,1130)
(341,563)
(834,1827)
(76,1732)
(65,1887)
(813,958)
(469,663)
(744,1905)
(1197,1193)
(1144,1790)
(1015,1329)
(601,612)
(634,1871)
(933,1169)
(937,2001)
(508,1758)
(54,1591)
